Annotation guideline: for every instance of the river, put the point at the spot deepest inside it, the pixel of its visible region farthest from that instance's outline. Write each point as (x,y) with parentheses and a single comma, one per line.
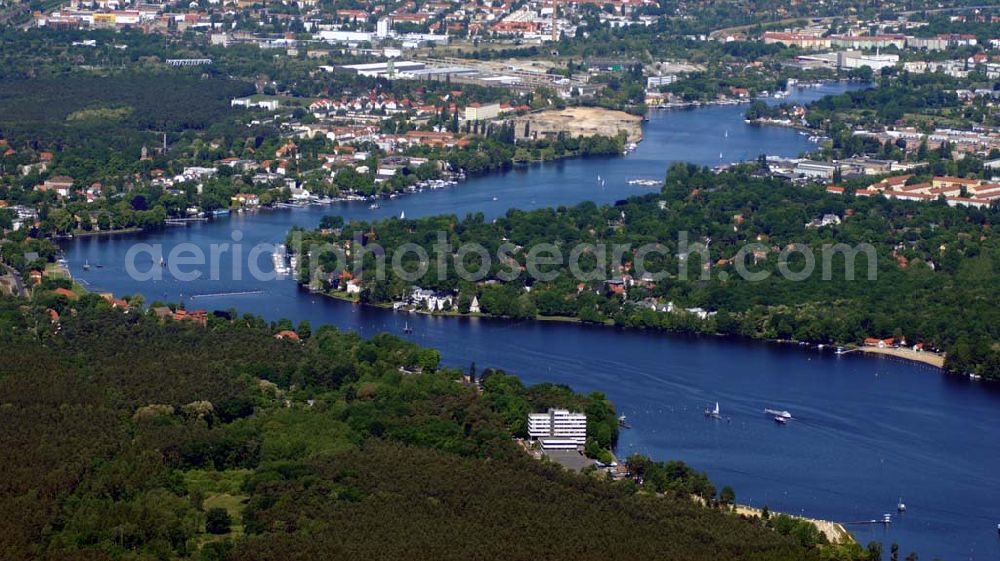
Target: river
(867,430)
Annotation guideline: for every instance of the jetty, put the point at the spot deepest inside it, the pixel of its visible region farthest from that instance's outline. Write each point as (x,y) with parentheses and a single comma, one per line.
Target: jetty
(184,221)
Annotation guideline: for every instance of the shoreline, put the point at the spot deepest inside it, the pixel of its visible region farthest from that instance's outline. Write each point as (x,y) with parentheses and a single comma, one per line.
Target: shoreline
(928,358)
(925,358)
(100,233)
(835,532)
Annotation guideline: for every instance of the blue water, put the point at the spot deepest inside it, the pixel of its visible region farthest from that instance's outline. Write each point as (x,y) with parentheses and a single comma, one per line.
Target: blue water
(867,430)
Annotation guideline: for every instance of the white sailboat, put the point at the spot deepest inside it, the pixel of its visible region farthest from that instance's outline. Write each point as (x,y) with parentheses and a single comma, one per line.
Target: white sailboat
(714,413)
(402,215)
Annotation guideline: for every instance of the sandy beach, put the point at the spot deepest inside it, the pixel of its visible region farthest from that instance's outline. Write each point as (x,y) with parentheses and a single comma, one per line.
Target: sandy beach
(933,359)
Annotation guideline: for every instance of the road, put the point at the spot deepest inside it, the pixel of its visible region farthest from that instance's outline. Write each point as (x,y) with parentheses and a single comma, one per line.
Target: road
(16,282)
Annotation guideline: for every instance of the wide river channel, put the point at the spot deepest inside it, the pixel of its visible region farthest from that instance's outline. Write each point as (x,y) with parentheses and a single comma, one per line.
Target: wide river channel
(868,431)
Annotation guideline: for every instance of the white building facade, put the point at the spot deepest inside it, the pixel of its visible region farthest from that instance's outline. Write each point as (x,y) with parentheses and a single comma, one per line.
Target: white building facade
(558,428)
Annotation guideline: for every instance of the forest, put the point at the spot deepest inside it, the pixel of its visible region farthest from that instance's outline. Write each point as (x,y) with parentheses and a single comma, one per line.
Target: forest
(936,260)
(127,437)
(96,125)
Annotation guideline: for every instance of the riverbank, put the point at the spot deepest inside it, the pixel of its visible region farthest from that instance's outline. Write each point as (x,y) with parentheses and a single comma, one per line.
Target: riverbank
(924,357)
(700,104)
(835,532)
(98,233)
(784,123)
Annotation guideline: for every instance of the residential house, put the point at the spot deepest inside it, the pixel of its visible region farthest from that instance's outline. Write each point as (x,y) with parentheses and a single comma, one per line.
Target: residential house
(60,184)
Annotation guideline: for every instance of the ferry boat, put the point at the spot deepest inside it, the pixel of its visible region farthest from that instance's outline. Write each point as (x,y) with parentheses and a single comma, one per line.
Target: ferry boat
(645,182)
(713,413)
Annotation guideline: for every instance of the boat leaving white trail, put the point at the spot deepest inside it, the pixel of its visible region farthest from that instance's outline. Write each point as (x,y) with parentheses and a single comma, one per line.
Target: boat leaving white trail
(221,294)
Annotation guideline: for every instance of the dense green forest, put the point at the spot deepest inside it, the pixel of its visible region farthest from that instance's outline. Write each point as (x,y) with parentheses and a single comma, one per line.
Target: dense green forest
(933,264)
(96,125)
(129,438)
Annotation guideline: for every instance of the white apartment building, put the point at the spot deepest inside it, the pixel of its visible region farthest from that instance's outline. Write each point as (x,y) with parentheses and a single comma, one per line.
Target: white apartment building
(558,428)
(383,28)
(482,112)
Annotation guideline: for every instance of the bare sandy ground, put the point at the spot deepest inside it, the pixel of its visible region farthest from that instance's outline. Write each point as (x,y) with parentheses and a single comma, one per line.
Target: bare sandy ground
(582,121)
(932,359)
